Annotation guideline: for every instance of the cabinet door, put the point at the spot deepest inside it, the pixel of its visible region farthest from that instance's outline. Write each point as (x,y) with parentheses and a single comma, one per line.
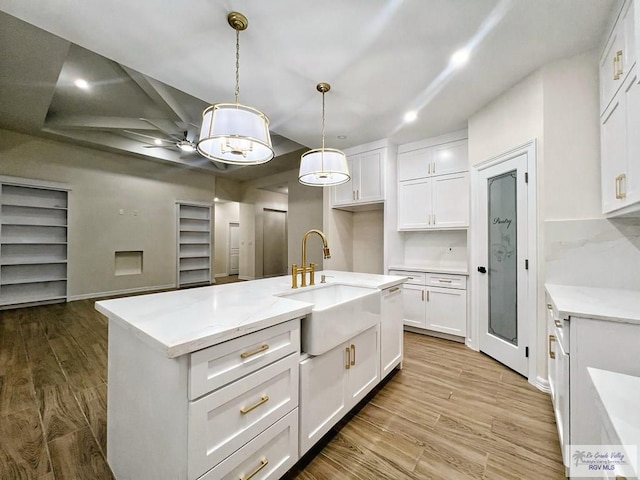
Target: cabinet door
(561,403)
(371,186)
(414,164)
(631,185)
(364,371)
(345,193)
(450,158)
(450,199)
(614,155)
(414,204)
(611,76)
(447,311)
(323,394)
(413,300)
(391,330)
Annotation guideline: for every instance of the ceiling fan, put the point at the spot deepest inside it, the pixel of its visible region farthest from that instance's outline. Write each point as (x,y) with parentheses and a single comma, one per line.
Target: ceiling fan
(184,144)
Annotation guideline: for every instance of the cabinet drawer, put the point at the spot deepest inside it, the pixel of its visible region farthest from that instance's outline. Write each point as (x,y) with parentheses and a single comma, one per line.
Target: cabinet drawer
(271,454)
(216,366)
(415,278)
(558,327)
(223,421)
(447,281)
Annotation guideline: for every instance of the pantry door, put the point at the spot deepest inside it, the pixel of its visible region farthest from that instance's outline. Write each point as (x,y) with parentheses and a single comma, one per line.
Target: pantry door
(502,224)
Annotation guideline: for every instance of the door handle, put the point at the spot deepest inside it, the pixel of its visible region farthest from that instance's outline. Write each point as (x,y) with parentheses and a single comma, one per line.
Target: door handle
(353,351)
(482,269)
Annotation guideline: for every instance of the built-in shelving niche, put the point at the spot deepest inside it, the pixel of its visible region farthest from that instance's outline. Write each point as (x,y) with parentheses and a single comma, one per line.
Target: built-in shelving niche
(193,244)
(33,242)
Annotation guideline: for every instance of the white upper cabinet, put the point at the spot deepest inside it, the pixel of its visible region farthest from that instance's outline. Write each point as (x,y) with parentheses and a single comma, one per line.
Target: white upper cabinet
(619,55)
(367,165)
(433,185)
(620,119)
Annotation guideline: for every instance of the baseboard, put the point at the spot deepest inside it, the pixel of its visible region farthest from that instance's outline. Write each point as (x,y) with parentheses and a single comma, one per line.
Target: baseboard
(472,345)
(542,384)
(225,274)
(114,293)
(244,277)
(431,333)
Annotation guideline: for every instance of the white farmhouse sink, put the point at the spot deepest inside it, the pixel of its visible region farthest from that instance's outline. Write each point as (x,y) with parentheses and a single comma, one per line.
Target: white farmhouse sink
(339,313)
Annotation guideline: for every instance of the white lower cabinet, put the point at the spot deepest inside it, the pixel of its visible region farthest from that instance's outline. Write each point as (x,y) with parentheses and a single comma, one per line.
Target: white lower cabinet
(188,418)
(334,382)
(223,421)
(575,343)
(267,457)
(436,302)
(391,331)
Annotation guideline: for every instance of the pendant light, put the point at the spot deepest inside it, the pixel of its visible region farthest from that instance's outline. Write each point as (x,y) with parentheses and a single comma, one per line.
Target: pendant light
(231,132)
(323,167)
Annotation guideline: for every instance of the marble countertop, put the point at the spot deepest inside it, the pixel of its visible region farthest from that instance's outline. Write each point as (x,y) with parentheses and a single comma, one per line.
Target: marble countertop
(598,303)
(183,321)
(431,269)
(617,400)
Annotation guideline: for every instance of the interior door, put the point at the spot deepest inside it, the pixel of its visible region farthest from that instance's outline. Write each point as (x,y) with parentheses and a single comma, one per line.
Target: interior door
(234,248)
(274,243)
(502,225)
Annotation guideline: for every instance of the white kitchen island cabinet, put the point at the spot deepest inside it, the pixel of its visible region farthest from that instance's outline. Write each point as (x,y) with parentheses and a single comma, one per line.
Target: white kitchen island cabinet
(588,327)
(204,383)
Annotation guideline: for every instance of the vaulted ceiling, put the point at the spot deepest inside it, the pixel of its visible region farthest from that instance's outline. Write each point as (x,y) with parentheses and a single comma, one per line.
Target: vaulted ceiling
(153,65)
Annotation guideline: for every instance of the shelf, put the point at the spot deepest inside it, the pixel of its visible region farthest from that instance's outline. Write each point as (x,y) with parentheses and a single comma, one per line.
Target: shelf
(22,205)
(32,224)
(34,280)
(194,243)
(193,269)
(9,262)
(194,231)
(10,301)
(43,242)
(194,256)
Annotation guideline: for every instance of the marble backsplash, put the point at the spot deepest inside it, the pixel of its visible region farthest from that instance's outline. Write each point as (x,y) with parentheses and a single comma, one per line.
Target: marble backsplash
(593,253)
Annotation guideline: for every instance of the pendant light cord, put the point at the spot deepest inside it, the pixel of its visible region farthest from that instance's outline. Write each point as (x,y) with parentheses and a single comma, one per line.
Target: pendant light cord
(237,65)
(322,151)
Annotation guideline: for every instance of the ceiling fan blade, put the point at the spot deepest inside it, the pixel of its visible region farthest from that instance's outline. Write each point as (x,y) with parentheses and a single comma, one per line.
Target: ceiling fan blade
(162,129)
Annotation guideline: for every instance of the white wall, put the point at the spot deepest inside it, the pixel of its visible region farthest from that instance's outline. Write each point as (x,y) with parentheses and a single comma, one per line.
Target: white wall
(224,214)
(443,249)
(102,184)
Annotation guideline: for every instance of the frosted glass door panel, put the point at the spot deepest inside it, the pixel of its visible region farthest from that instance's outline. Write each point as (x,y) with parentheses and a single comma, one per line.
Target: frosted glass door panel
(503,298)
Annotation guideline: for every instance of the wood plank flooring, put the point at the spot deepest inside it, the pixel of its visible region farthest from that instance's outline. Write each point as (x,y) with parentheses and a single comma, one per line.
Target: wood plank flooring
(451,413)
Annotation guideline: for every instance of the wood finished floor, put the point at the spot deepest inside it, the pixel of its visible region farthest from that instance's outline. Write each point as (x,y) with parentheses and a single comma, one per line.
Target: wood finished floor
(451,413)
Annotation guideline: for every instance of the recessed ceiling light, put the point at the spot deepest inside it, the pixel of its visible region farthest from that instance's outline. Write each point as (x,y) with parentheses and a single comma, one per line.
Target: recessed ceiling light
(157,141)
(81,83)
(460,57)
(186,146)
(342,137)
(216,199)
(410,116)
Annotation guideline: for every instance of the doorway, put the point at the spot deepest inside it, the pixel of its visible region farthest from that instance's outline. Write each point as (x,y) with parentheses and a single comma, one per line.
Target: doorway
(274,243)
(504,259)
(234,248)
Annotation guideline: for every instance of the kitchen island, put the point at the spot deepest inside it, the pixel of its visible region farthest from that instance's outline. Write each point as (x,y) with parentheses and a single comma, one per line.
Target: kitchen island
(212,383)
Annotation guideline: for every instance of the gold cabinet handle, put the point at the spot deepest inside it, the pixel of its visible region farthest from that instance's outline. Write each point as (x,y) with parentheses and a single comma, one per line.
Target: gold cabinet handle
(423,295)
(348,364)
(557,323)
(353,349)
(261,348)
(433,170)
(617,65)
(429,169)
(394,289)
(427,295)
(552,354)
(434,218)
(263,463)
(549,306)
(441,280)
(245,410)
(620,192)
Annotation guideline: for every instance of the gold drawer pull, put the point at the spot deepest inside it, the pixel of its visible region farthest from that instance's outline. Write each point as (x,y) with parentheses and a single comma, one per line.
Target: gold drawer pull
(263,463)
(444,281)
(353,349)
(245,410)
(348,364)
(549,306)
(558,323)
(552,338)
(394,289)
(261,348)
